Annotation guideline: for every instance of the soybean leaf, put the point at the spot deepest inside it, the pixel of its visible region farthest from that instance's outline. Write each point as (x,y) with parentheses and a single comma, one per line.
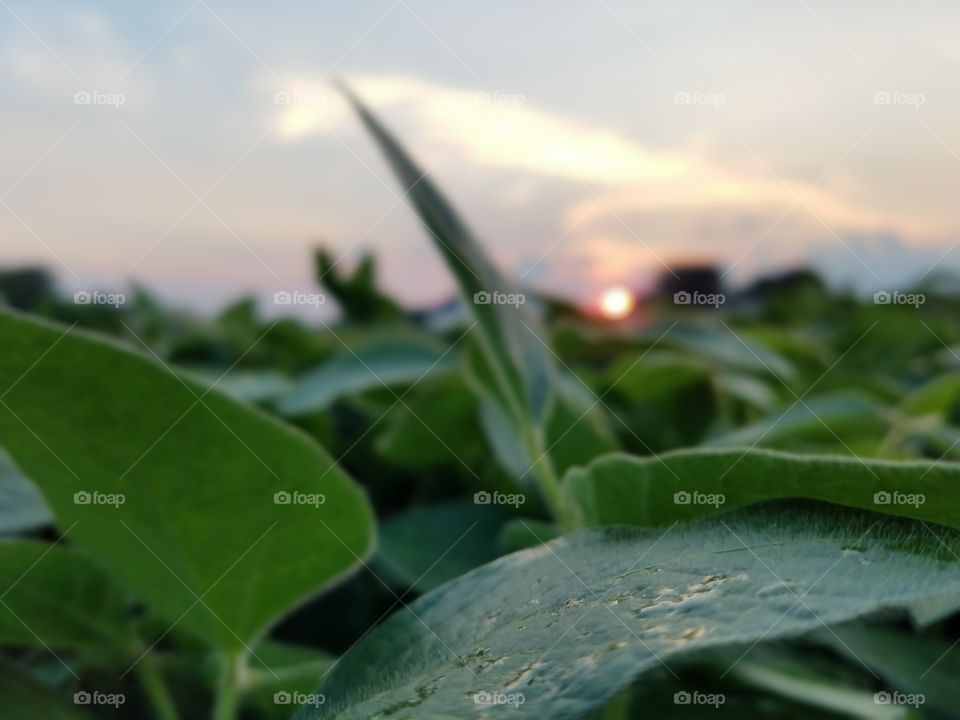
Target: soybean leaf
(747,388)
(518,359)
(576,431)
(521,533)
(426,547)
(171,490)
(289,677)
(910,664)
(371,367)
(648,491)
(797,680)
(436,424)
(357,294)
(557,630)
(938,396)
(22,507)
(22,697)
(641,378)
(55,597)
(816,419)
(252,386)
(723,348)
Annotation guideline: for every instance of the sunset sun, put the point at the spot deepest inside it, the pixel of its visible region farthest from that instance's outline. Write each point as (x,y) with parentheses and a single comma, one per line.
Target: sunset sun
(616,303)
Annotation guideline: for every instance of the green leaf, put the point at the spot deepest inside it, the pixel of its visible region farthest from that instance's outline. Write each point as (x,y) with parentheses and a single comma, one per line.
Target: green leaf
(55,597)
(22,507)
(910,664)
(641,378)
(426,547)
(198,535)
(684,485)
(723,348)
(559,629)
(825,419)
(577,428)
(252,386)
(938,396)
(357,295)
(371,367)
(290,674)
(435,425)
(522,533)
(22,697)
(744,387)
(798,682)
(518,359)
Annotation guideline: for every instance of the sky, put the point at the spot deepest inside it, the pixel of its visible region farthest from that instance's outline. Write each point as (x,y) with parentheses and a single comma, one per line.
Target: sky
(199,148)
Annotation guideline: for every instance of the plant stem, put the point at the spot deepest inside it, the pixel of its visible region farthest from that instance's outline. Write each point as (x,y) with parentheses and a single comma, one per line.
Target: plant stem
(547,480)
(156,688)
(228,688)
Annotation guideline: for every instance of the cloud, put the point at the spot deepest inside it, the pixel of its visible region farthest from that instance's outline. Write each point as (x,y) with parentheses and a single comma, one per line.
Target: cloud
(504,131)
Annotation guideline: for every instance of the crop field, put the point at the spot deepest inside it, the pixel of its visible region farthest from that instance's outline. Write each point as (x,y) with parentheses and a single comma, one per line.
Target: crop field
(716,505)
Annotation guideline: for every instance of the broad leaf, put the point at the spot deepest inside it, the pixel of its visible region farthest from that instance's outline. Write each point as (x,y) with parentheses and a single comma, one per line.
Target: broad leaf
(22,697)
(22,507)
(910,664)
(435,425)
(372,367)
(519,360)
(287,680)
(937,396)
(252,386)
(830,419)
(729,348)
(688,484)
(426,547)
(577,428)
(556,631)
(176,485)
(796,680)
(55,597)
(639,378)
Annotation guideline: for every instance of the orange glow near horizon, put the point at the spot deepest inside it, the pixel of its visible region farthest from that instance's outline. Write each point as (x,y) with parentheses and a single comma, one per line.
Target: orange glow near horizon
(616,303)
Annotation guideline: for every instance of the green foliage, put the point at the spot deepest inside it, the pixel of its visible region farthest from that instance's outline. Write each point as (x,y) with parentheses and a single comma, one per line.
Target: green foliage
(147,441)
(513,367)
(354,370)
(467,532)
(58,597)
(23,697)
(186,587)
(561,628)
(689,484)
(357,294)
(22,507)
